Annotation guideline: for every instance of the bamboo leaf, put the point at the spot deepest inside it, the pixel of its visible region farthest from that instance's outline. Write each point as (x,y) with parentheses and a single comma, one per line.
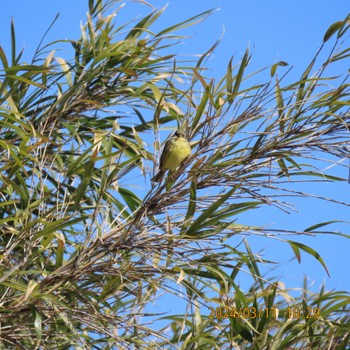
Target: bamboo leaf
(192,230)
(141,26)
(280,107)
(3,58)
(37,324)
(299,246)
(321,224)
(130,198)
(13,42)
(274,67)
(84,183)
(60,224)
(332,30)
(189,22)
(202,106)
(25,80)
(229,77)
(239,76)
(66,70)
(191,209)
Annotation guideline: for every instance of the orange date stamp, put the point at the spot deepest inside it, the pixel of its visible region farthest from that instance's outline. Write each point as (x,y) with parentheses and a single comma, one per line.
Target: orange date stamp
(223,312)
(242,312)
(301,312)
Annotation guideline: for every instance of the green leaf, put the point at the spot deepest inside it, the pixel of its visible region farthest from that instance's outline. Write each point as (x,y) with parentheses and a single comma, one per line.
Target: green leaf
(239,76)
(252,265)
(60,249)
(283,166)
(280,107)
(3,58)
(130,198)
(13,42)
(229,77)
(206,55)
(189,22)
(202,105)
(84,183)
(274,67)
(299,246)
(142,26)
(191,209)
(37,324)
(110,287)
(321,224)
(192,231)
(25,80)
(304,79)
(332,30)
(57,225)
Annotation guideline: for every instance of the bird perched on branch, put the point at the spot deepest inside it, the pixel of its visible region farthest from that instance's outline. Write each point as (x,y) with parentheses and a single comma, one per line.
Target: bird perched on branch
(175,151)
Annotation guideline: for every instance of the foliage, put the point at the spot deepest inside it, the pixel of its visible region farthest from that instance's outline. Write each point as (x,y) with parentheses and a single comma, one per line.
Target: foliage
(85,253)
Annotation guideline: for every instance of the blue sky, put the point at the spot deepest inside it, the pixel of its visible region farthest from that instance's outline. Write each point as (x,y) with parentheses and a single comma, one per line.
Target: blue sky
(274,31)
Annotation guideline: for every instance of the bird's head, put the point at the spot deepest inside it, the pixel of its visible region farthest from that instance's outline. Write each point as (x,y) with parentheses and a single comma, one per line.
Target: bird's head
(179,133)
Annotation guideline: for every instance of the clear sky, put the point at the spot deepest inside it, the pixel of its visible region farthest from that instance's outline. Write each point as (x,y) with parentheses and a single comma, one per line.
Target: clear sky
(274,31)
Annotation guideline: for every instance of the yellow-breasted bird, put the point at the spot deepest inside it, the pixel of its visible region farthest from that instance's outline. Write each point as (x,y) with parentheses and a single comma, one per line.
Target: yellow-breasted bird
(175,151)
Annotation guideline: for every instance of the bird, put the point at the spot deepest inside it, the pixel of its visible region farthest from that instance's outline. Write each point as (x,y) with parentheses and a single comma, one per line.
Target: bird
(175,151)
